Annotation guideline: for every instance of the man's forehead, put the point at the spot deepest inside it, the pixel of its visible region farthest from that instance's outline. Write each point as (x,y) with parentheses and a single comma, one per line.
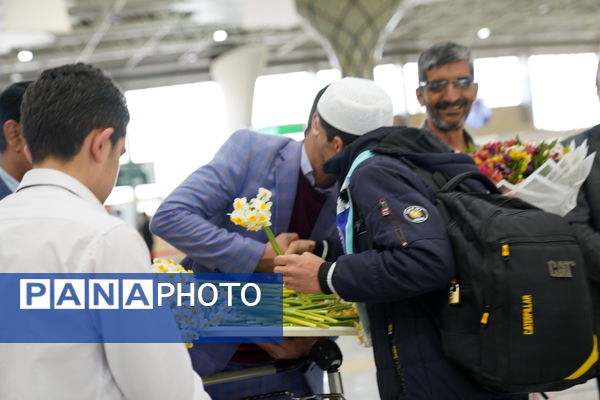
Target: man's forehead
(453,70)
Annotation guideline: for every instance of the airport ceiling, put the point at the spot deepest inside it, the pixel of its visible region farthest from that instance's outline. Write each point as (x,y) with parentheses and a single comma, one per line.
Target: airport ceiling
(143,43)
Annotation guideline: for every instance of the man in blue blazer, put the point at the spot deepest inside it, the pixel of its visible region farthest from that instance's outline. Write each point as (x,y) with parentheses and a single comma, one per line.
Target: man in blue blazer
(194,219)
(13,163)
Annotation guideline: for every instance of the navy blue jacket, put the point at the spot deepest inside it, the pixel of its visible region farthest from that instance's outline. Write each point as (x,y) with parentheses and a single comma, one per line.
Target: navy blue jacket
(392,278)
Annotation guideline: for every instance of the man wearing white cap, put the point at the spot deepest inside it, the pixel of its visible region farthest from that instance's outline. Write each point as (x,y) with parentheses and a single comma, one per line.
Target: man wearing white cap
(194,218)
(398,256)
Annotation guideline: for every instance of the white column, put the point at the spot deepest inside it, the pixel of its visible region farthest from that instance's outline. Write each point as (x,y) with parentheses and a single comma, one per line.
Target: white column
(236,71)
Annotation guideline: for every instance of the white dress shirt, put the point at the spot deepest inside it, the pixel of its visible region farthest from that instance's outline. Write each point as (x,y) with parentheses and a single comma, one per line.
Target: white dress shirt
(54,224)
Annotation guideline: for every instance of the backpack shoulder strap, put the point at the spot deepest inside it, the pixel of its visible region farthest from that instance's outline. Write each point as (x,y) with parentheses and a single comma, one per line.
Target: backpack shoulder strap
(345,210)
(436,180)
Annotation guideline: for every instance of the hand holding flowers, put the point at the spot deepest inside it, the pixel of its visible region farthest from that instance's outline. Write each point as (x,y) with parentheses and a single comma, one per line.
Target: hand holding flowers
(300,309)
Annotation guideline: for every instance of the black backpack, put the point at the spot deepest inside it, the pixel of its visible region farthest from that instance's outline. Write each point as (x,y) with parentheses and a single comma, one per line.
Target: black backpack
(517,318)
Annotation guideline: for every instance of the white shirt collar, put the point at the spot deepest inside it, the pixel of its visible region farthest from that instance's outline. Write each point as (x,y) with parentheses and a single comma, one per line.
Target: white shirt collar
(11,183)
(307,171)
(53,177)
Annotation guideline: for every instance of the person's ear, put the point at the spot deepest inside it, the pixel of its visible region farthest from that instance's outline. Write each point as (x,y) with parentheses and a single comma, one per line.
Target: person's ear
(476,88)
(101,145)
(12,135)
(419,93)
(313,124)
(338,144)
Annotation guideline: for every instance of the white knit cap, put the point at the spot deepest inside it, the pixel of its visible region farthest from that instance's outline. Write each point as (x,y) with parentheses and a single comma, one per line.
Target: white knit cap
(356,106)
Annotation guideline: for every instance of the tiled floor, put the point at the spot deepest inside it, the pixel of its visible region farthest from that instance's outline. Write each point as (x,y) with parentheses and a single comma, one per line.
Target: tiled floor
(358,375)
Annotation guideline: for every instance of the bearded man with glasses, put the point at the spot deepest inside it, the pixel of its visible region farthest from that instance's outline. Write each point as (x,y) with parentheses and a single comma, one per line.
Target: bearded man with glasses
(447,90)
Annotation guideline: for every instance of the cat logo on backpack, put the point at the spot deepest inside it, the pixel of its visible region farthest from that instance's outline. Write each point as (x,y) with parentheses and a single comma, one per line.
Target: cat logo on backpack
(561,269)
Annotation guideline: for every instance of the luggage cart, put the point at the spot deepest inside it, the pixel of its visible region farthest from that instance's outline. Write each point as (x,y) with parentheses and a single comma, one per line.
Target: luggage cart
(325,353)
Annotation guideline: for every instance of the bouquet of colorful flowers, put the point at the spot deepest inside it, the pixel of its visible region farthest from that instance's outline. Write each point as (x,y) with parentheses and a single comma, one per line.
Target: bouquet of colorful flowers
(547,175)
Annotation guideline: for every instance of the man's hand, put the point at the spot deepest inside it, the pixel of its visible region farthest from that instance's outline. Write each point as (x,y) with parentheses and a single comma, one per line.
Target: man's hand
(300,246)
(300,272)
(291,348)
(266,261)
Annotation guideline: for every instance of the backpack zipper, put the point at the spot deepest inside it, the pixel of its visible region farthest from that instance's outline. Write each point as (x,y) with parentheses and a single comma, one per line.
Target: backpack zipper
(505,244)
(538,239)
(387,212)
(485,297)
(394,351)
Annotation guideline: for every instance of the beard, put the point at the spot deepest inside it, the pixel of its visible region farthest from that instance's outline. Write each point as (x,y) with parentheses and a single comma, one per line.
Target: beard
(437,119)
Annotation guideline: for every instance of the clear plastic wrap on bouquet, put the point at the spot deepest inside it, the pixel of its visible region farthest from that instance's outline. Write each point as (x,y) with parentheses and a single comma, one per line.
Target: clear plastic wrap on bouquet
(554,186)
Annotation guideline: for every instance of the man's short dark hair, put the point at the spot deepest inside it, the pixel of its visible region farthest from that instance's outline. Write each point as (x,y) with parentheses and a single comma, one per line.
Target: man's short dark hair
(10,106)
(65,104)
(442,54)
(331,132)
(313,109)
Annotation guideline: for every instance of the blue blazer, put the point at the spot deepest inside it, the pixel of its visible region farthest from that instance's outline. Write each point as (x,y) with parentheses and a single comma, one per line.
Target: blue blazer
(194,217)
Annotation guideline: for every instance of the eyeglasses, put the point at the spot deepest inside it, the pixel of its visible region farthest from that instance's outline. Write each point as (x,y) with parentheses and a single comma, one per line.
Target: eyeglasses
(441,85)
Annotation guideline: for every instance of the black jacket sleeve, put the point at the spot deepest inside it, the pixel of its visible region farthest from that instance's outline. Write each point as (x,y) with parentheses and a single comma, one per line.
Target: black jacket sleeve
(585,218)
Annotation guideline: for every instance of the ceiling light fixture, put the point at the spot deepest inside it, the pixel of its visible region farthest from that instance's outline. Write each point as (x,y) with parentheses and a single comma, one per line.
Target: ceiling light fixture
(219,35)
(483,33)
(25,56)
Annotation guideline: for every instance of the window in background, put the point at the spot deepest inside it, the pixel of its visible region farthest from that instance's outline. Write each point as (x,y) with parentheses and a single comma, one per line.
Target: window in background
(500,80)
(563,91)
(178,128)
(411,83)
(389,77)
(282,99)
(324,77)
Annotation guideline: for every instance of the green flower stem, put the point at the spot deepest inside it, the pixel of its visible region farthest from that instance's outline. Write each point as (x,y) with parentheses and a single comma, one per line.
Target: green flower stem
(316,310)
(318,317)
(299,321)
(271,238)
(346,323)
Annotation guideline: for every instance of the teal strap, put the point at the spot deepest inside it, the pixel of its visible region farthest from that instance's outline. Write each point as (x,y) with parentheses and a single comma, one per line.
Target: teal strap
(350,223)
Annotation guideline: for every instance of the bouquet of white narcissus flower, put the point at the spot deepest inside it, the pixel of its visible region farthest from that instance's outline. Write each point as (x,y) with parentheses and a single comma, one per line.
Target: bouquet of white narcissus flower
(255,215)
(192,320)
